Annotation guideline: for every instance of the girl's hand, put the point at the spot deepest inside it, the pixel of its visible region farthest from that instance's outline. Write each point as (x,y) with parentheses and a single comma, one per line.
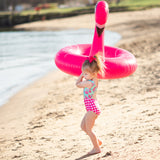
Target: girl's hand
(80,79)
(82,75)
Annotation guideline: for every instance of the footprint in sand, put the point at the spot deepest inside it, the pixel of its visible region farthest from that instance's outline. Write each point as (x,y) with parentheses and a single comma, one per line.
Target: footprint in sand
(107,154)
(16,157)
(35,125)
(151,114)
(145,111)
(17,146)
(56,114)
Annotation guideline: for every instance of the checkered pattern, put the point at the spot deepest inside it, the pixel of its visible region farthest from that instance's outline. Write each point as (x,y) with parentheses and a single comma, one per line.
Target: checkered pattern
(92,105)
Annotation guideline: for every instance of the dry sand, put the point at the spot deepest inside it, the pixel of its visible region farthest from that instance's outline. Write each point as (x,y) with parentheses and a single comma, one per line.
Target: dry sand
(42,122)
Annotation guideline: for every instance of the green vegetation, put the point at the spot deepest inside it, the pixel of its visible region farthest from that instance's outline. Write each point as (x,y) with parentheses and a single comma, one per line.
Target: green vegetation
(54,10)
(7,19)
(136,4)
(51,10)
(139,2)
(124,5)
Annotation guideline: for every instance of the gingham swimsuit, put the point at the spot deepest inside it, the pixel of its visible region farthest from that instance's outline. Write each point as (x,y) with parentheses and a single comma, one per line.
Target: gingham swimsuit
(90,103)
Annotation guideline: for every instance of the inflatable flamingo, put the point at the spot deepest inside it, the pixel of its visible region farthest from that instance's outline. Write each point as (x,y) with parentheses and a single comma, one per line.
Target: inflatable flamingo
(119,62)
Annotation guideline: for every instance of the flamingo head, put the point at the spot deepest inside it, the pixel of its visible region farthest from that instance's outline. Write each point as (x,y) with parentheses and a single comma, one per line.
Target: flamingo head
(101,15)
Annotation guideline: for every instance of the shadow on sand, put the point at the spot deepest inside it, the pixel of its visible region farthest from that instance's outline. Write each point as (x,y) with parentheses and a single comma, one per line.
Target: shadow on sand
(84,156)
(88,155)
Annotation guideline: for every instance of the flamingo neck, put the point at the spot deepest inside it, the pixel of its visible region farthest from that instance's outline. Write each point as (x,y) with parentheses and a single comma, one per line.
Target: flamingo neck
(97,44)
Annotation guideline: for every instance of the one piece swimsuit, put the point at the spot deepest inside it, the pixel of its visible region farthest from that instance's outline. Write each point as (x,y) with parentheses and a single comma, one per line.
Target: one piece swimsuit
(90,103)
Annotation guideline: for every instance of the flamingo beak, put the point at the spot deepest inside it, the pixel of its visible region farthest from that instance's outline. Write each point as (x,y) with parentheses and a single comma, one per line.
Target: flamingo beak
(99,31)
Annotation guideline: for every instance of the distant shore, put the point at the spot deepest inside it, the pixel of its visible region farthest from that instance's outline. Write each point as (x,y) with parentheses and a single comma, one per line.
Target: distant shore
(42,121)
(8,20)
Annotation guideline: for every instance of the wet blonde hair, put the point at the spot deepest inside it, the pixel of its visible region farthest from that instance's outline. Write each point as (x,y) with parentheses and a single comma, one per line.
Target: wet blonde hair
(96,66)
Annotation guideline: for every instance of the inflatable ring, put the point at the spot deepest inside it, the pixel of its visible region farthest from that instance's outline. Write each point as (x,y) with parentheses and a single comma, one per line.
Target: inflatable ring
(119,62)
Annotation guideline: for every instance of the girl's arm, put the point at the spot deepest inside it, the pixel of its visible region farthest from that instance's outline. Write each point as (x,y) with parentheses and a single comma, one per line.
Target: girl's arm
(82,84)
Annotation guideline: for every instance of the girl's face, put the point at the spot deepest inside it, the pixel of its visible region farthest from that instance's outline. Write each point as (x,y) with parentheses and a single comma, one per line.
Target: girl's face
(87,74)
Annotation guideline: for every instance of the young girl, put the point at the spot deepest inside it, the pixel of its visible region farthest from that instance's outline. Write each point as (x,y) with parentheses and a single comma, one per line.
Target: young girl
(90,69)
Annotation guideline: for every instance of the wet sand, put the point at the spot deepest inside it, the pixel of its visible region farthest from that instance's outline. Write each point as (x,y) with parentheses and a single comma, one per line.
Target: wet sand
(43,120)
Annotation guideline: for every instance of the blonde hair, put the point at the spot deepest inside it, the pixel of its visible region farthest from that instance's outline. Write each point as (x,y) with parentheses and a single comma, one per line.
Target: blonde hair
(96,65)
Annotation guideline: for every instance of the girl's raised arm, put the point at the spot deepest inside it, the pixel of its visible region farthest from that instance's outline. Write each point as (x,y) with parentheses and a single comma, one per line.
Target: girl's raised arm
(82,84)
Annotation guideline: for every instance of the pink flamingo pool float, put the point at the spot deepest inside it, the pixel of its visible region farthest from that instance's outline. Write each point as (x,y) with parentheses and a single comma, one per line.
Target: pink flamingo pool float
(119,62)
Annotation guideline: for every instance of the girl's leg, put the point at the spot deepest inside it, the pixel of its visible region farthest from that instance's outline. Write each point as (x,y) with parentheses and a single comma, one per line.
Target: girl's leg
(83,127)
(90,118)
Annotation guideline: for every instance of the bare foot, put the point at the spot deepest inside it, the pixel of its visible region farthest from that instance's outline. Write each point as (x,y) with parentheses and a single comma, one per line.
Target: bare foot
(94,151)
(99,142)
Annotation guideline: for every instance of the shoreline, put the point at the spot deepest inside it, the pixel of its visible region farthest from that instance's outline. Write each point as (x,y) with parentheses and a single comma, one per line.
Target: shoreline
(54,43)
(45,116)
(23,87)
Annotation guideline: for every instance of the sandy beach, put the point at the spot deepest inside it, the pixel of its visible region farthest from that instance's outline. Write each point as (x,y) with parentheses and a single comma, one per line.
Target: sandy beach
(42,121)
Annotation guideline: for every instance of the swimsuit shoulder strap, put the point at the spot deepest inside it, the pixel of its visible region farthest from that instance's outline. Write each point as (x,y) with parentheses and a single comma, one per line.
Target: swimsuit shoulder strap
(94,85)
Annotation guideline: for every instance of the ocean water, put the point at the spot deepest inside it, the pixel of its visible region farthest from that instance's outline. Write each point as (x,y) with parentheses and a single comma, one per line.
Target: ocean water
(28,55)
